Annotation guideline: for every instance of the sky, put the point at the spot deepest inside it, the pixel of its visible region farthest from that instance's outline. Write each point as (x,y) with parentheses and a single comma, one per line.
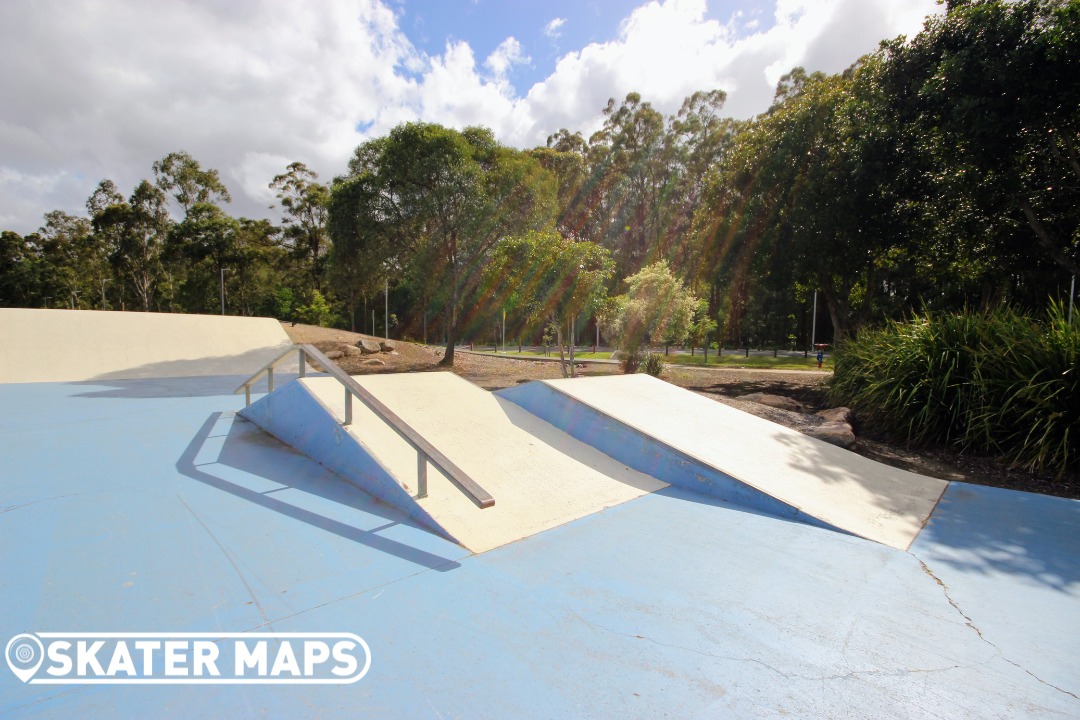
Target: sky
(95,89)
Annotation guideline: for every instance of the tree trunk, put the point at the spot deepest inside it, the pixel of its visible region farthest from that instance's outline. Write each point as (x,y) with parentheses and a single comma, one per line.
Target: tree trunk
(562,356)
(451,326)
(1046,241)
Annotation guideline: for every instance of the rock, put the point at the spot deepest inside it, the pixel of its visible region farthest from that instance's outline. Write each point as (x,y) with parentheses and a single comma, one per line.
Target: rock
(776,401)
(837,433)
(386,346)
(334,355)
(373,361)
(368,347)
(351,350)
(838,415)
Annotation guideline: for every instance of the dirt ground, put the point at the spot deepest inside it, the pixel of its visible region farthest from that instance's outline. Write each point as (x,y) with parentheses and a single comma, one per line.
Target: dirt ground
(723,385)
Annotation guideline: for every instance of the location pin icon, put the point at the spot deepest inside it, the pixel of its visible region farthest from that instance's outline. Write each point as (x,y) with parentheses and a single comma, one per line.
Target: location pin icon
(24,655)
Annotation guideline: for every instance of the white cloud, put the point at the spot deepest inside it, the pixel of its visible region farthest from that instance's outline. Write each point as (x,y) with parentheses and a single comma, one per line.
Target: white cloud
(103,89)
(554,28)
(505,56)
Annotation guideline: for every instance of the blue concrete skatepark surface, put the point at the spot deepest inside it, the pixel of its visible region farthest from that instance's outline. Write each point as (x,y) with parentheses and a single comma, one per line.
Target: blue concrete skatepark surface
(148,505)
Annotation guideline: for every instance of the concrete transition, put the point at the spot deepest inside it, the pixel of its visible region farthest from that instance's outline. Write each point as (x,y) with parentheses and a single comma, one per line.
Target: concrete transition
(540,476)
(80,345)
(706,446)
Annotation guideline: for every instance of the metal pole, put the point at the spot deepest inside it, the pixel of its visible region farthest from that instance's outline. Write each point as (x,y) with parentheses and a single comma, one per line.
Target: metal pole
(504,332)
(104,304)
(1072,292)
(372,322)
(813,324)
(222,291)
(47,299)
(386,310)
(421,475)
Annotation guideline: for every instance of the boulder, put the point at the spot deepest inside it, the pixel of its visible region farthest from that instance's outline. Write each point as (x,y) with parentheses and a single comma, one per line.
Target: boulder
(368,347)
(776,401)
(334,355)
(836,433)
(351,350)
(838,415)
(386,346)
(373,361)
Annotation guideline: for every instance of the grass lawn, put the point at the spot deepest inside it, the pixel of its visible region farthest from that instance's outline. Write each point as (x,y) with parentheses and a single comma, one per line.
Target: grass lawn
(737,359)
(728,359)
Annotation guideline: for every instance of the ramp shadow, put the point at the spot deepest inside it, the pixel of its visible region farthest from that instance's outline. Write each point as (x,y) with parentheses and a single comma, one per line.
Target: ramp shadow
(248,450)
(567,445)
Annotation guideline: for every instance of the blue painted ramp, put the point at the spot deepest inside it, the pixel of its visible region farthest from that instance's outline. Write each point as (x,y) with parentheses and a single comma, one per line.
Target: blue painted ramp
(298,418)
(702,445)
(539,476)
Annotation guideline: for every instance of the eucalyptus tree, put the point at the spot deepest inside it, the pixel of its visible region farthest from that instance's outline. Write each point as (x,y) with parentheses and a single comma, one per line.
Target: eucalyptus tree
(430,200)
(73,260)
(134,233)
(182,178)
(20,267)
(305,203)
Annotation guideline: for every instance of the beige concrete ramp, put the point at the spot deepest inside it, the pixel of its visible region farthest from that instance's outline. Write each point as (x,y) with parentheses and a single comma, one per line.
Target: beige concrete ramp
(81,345)
(816,479)
(539,476)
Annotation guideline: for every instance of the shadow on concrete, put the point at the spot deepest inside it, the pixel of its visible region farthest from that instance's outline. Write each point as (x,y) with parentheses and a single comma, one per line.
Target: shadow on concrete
(986,530)
(245,449)
(173,387)
(979,529)
(244,363)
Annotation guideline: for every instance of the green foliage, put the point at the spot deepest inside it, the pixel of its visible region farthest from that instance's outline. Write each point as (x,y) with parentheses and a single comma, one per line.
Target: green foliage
(181,177)
(997,382)
(306,204)
(317,312)
(657,307)
(429,203)
(653,364)
(283,303)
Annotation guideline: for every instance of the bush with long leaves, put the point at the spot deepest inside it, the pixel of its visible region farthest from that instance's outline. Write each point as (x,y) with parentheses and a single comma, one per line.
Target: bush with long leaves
(996,382)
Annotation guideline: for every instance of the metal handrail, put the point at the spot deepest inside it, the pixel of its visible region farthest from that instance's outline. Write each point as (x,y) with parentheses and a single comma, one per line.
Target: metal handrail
(425,451)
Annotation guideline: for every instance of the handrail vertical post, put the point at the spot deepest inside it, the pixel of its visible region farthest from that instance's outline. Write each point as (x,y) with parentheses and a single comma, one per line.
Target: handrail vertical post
(348,407)
(303,362)
(270,380)
(421,474)
(247,395)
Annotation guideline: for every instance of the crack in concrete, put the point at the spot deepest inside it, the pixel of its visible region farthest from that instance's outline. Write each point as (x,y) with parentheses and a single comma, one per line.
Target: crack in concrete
(781,673)
(971,624)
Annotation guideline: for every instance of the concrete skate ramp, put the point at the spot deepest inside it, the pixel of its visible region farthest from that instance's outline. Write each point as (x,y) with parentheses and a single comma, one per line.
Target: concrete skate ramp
(694,442)
(539,476)
(79,345)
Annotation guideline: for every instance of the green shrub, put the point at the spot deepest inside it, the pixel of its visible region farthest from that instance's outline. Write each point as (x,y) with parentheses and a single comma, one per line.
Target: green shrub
(653,364)
(998,382)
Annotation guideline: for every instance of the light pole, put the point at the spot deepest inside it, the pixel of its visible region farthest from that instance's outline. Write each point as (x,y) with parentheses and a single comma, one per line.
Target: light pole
(813,323)
(74,294)
(222,291)
(504,331)
(104,304)
(386,309)
(47,299)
